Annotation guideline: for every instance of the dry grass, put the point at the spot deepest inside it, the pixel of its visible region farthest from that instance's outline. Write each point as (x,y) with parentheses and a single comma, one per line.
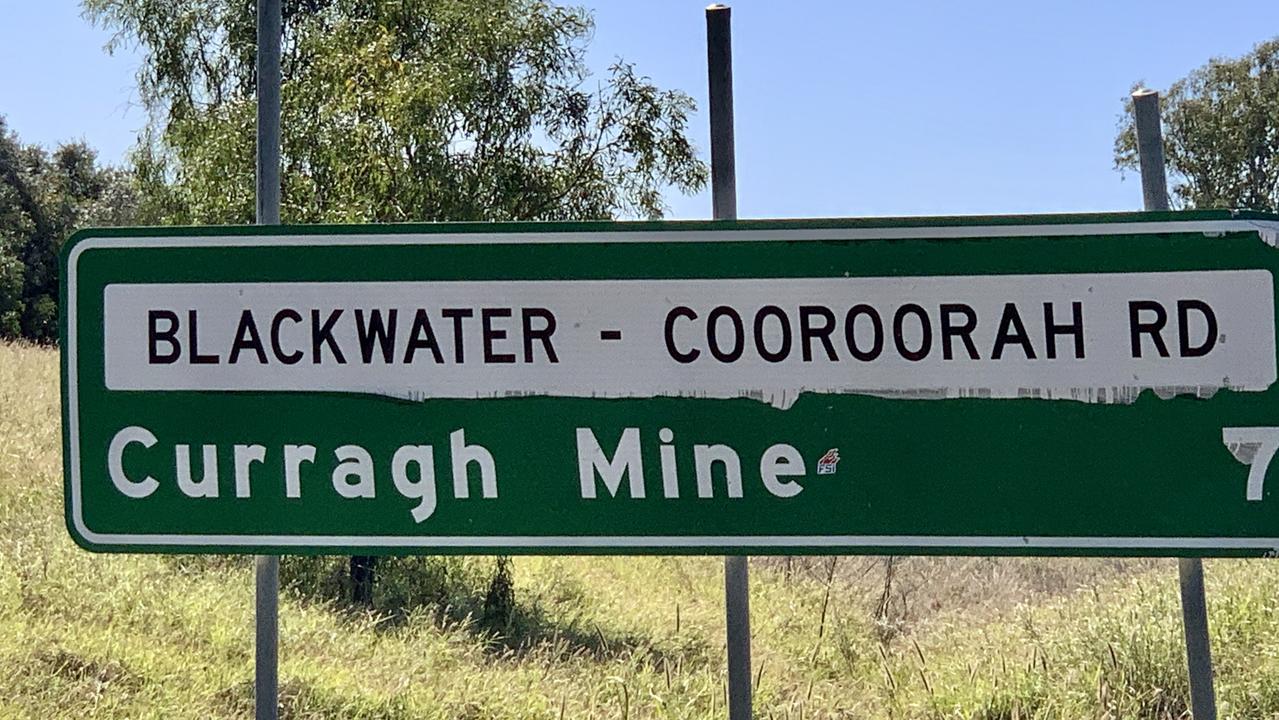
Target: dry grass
(85,635)
(909,592)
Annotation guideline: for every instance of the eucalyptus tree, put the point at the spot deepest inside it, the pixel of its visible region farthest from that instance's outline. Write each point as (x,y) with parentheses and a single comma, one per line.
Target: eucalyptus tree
(1221,133)
(400,110)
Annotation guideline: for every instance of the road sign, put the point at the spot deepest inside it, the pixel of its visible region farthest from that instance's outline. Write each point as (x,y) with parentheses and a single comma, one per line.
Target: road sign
(1095,384)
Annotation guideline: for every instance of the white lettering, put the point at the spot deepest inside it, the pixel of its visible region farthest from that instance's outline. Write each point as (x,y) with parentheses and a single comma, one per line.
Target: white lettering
(424,488)
(626,461)
(294,456)
(705,457)
(670,473)
(208,484)
(463,455)
(115,462)
(245,456)
(782,460)
(1254,447)
(356,463)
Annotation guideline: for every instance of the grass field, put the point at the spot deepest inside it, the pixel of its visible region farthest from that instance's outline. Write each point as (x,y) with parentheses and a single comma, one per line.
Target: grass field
(85,635)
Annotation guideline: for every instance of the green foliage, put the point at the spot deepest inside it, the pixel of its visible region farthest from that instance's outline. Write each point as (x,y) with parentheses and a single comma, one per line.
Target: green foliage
(1221,133)
(397,110)
(44,197)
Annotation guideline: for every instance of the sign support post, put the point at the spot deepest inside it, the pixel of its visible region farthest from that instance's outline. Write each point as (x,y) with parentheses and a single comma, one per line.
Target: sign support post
(267,567)
(719,67)
(1194,609)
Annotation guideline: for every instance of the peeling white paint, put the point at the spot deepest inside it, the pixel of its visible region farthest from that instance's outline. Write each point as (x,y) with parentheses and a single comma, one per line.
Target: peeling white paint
(769,340)
(1267,231)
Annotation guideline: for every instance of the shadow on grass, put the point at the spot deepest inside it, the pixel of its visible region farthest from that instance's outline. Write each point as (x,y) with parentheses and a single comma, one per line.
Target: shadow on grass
(477,596)
(474,595)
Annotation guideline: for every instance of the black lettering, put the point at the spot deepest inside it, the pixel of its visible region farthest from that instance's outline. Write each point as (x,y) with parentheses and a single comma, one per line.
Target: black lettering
(323,335)
(421,337)
(783,323)
(542,334)
(246,338)
(376,330)
(457,315)
(1183,330)
(1012,330)
(807,332)
(156,335)
(850,332)
(294,357)
(712,334)
(964,332)
(677,312)
(1075,328)
(192,334)
(899,336)
(1137,327)
(491,334)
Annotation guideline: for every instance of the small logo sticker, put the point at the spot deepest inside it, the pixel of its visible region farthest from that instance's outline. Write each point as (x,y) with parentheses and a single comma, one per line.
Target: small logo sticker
(826,465)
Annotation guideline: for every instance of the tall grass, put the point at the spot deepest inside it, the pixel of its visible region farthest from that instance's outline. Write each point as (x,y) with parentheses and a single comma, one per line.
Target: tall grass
(85,635)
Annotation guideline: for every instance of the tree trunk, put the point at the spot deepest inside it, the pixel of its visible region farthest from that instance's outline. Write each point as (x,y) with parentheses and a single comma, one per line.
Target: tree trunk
(362,567)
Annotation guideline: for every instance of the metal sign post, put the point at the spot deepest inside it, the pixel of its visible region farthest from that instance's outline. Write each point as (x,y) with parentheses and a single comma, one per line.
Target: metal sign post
(1194,608)
(267,586)
(719,68)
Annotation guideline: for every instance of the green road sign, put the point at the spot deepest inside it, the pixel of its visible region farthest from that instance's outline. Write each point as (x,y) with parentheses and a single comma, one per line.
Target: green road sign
(1097,384)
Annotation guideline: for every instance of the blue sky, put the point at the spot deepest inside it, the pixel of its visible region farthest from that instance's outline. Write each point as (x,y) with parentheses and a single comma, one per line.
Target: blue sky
(843,108)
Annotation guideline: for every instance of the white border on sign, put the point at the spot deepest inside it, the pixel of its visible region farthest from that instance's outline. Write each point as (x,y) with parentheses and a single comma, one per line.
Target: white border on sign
(1269,232)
